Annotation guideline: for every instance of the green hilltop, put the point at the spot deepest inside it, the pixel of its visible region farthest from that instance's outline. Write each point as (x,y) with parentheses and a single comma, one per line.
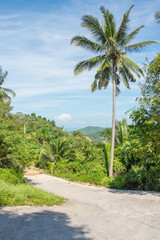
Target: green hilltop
(94,133)
(91,129)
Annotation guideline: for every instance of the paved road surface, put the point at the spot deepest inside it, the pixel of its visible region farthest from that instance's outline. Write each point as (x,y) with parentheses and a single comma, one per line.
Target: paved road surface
(90,213)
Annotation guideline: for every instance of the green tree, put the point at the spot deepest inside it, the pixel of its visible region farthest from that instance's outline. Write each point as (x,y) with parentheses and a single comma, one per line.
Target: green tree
(77,133)
(5,91)
(107,133)
(146,118)
(56,151)
(114,64)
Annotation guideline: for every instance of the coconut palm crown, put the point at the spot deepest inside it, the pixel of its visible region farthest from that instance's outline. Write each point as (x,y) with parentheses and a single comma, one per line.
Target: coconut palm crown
(112,46)
(55,151)
(5,91)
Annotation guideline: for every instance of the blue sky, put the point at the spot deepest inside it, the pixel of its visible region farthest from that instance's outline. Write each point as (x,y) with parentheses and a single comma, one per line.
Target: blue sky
(35,49)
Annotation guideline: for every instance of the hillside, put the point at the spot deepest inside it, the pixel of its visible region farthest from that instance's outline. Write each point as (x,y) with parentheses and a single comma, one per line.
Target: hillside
(94,133)
(91,129)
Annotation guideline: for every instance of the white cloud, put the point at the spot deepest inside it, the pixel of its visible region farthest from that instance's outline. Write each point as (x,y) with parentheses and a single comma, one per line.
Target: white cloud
(64,118)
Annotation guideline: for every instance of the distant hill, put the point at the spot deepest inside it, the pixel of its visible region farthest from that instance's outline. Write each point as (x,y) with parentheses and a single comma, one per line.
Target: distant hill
(94,133)
(91,129)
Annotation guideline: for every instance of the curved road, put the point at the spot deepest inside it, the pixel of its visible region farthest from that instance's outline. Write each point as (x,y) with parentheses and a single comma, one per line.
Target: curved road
(89,213)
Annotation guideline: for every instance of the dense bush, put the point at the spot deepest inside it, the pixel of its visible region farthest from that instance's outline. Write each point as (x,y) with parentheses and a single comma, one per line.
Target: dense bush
(12,175)
(14,191)
(139,179)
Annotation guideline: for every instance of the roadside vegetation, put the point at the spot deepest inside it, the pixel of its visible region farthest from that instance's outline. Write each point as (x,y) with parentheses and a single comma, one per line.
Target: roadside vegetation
(30,140)
(14,191)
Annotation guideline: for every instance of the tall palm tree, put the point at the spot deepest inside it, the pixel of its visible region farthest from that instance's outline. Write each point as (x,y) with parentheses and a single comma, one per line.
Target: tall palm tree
(114,64)
(5,91)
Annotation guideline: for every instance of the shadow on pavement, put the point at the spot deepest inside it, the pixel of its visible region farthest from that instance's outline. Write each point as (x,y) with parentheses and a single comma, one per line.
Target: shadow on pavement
(112,190)
(30,182)
(44,225)
(133,192)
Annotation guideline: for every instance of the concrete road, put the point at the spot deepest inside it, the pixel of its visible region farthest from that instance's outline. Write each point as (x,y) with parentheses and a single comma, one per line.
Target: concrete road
(89,213)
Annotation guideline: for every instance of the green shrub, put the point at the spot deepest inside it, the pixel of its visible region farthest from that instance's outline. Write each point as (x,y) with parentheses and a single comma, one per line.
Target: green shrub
(51,167)
(107,181)
(12,175)
(118,166)
(139,179)
(118,182)
(93,178)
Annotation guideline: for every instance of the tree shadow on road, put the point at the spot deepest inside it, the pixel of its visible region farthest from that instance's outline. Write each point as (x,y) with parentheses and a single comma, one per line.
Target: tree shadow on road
(133,192)
(40,225)
(31,182)
(112,190)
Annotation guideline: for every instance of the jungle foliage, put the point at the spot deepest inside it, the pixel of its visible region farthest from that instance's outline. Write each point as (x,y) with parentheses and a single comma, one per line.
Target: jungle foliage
(27,140)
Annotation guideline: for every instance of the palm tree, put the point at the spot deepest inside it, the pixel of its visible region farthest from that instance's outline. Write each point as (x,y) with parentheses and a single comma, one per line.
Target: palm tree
(5,91)
(56,151)
(107,133)
(121,132)
(114,64)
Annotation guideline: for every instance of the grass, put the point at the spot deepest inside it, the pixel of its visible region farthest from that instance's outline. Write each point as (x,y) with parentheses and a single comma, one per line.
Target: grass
(12,175)
(15,192)
(23,194)
(95,179)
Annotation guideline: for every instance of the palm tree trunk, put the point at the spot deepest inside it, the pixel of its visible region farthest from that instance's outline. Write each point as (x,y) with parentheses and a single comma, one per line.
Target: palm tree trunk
(113,119)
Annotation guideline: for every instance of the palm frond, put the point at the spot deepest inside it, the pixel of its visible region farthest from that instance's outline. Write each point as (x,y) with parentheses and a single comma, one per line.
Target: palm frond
(117,84)
(94,86)
(130,76)
(130,36)
(88,64)
(124,76)
(2,76)
(110,26)
(137,47)
(105,63)
(133,66)
(111,42)
(9,91)
(122,31)
(103,77)
(46,155)
(85,43)
(92,24)
(117,80)
(121,132)
(104,73)
(157,17)
(4,96)
(117,91)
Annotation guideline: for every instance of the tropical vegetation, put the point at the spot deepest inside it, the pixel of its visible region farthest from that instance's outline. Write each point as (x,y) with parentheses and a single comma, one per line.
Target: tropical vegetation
(5,92)
(29,140)
(14,191)
(114,65)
